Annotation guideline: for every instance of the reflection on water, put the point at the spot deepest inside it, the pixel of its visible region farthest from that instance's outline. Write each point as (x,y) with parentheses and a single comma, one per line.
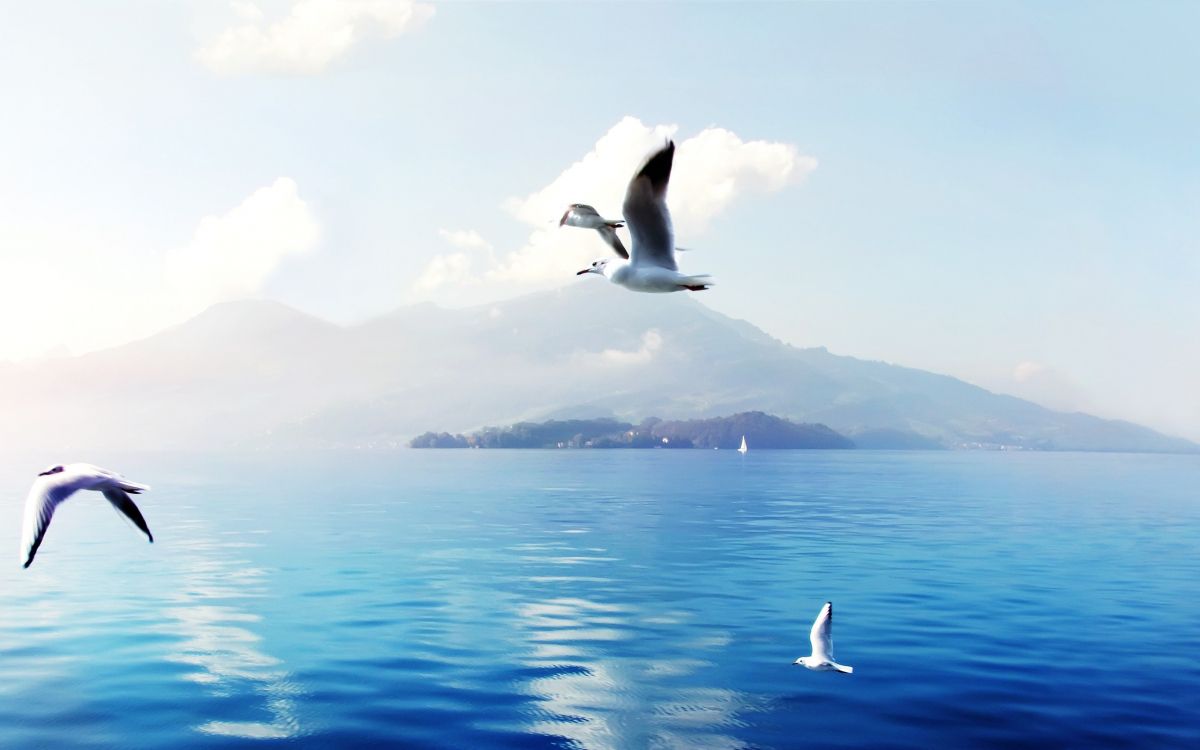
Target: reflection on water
(219,639)
(600,698)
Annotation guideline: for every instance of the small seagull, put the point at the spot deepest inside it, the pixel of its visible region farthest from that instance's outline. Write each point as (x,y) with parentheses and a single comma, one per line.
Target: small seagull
(583,215)
(651,265)
(56,484)
(822,645)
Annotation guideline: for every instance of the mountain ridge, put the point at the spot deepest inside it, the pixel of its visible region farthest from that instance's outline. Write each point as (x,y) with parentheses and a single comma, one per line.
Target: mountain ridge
(262,374)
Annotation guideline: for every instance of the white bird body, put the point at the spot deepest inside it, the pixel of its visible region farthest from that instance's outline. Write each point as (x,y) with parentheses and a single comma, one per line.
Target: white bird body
(821,637)
(645,279)
(58,483)
(651,266)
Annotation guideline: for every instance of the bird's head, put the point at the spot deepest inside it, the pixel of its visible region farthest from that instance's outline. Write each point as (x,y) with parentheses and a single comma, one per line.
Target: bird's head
(51,470)
(571,209)
(597,266)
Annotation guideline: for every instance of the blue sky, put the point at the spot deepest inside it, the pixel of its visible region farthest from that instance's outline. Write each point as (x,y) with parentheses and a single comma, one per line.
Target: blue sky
(1003,192)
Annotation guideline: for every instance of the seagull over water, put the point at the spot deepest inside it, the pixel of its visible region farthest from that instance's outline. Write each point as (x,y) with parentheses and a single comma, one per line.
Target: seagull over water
(583,215)
(56,484)
(651,264)
(822,645)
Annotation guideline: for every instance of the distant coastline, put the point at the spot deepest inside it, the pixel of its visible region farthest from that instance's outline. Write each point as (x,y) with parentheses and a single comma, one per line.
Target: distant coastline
(761,430)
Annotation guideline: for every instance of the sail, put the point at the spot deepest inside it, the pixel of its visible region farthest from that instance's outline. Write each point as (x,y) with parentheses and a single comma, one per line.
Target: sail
(743,449)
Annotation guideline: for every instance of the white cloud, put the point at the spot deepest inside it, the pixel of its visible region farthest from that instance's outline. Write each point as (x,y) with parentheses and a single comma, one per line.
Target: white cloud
(1026,371)
(600,177)
(711,170)
(1043,385)
(454,268)
(550,255)
(716,166)
(310,37)
(62,286)
(467,239)
(652,342)
(85,288)
(231,255)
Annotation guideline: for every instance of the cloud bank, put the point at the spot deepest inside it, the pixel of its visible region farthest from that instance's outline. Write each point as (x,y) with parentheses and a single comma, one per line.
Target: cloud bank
(712,169)
(651,344)
(1044,385)
(231,255)
(117,292)
(312,35)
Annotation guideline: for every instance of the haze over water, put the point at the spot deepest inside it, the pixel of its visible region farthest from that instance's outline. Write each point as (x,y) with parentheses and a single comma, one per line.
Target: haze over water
(610,600)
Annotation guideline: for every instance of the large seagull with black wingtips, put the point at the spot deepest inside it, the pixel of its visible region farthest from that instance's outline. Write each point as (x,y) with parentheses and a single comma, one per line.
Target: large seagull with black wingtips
(651,266)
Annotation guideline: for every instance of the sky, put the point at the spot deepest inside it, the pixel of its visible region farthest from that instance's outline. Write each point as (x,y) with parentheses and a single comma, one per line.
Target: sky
(1004,192)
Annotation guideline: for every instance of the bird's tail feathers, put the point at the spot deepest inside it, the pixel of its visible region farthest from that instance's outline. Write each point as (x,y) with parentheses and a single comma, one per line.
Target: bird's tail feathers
(843,668)
(697,283)
(615,223)
(133,488)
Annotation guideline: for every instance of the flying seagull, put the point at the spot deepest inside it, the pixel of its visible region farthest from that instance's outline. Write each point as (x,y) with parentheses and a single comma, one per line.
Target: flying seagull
(822,645)
(583,215)
(651,266)
(56,484)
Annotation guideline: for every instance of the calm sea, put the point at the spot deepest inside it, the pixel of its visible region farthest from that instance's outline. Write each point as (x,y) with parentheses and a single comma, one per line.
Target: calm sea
(619,599)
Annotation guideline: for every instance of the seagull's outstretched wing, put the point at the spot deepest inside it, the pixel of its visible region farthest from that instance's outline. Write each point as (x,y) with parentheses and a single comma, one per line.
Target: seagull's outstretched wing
(822,634)
(610,236)
(125,504)
(44,497)
(646,212)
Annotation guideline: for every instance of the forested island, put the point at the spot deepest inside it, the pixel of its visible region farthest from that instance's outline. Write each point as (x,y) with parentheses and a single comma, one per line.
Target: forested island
(761,431)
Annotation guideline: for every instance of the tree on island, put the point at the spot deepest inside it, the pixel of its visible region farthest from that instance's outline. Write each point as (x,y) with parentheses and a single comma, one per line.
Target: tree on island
(761,430)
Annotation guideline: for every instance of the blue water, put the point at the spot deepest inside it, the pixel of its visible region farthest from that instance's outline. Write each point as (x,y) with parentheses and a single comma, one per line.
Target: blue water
(611,599)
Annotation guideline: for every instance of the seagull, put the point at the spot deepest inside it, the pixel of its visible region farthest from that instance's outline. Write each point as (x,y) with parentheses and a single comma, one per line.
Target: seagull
(822,645)
(651,266)
(583,215)
(56,484)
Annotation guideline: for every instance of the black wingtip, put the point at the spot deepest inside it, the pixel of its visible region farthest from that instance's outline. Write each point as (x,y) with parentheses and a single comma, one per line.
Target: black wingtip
(657,168)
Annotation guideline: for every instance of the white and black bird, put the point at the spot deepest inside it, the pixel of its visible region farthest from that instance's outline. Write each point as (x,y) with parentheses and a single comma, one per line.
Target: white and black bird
(822,645)
(651,265)
(56,484)
(584,216)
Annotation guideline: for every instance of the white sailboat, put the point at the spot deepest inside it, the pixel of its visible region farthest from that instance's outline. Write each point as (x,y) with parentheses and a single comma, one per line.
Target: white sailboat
(743,449)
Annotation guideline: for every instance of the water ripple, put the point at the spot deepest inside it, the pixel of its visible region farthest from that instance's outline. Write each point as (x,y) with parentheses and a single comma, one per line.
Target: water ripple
(620,599)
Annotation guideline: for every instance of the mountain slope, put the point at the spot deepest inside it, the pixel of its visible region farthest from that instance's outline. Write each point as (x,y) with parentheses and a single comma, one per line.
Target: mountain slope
(260,374)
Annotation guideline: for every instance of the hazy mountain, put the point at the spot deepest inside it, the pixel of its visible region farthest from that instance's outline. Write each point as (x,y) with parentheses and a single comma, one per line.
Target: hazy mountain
(260,374)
